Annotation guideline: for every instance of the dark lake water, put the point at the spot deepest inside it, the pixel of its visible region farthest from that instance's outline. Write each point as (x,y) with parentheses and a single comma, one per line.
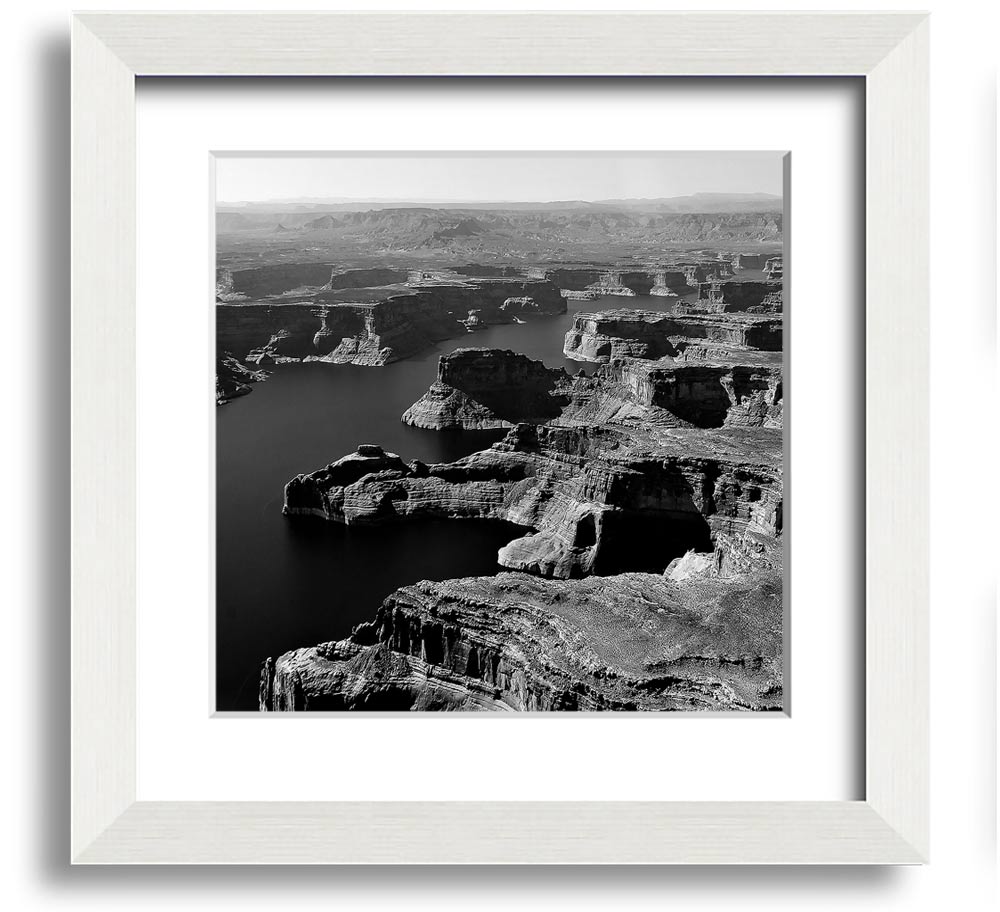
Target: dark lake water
(282,584)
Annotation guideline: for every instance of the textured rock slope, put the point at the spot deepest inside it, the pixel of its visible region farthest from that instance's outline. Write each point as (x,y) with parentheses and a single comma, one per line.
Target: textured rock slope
(634,641)
(480,388)
(648,334)
(574,487)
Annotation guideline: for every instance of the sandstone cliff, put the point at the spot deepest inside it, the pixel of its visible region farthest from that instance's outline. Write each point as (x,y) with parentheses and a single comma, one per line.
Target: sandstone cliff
(513,642)
(677,393)
(480,388)
(737,297)
(612,334)
(587,497)
(397,322)
(260,282)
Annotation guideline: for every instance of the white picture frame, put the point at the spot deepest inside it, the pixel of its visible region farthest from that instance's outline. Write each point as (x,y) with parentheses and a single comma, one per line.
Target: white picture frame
(109,826)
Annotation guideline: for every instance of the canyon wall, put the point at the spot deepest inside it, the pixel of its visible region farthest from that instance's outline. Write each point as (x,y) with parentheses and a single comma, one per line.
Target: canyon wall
(703,394)
(516,643)
(479,388)
(380,331)
(259,282)
(736,297)
(612,334)
(564,483)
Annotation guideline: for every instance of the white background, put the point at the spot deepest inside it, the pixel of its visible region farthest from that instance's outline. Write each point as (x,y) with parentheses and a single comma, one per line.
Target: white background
(963,502)
(813,754)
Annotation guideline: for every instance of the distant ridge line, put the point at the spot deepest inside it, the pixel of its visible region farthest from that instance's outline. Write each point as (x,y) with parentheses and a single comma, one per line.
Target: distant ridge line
(696,202)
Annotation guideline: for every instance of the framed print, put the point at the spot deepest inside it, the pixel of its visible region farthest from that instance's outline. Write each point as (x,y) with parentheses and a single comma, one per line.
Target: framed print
(499,449)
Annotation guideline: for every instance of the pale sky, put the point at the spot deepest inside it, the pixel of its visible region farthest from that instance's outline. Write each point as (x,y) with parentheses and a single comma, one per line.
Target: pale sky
(519,177)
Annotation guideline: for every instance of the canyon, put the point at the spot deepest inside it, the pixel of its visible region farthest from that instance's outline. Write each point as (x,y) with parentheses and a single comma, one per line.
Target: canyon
(636,500)
(655,466)
(371,317)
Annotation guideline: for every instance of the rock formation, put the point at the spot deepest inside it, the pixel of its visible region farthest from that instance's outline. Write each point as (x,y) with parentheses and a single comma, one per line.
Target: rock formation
(279,279)
(634,641)
(398,322)
(233,378)
(480,389)
(668,283)
(703,507)
(736,297)
(586,494)
(587,283)
(647,334)
(667,391)
(711,271)
(749,261)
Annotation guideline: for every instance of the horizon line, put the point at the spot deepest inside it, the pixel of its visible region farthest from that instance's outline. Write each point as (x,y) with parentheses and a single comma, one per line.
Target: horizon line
(396,199)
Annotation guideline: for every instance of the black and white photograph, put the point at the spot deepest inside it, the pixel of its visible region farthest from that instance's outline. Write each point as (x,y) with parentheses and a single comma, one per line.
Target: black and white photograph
(500,432)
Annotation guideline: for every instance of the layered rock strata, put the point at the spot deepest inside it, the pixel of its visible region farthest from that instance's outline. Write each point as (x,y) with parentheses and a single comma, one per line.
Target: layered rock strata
(736,297)
(376,332)
(287,278)
(647,334)
(696,273)
(479,389)
(512,642)
(258,282)
(671,393)
(668,283)
(579,489)
(586,283)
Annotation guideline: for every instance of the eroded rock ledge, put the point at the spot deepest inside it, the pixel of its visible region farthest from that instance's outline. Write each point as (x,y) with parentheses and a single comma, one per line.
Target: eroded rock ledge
(374,326)
(736,297)
(635,641)
(233,379)
(480,388)
(624,333)
(594,500)
(669,392)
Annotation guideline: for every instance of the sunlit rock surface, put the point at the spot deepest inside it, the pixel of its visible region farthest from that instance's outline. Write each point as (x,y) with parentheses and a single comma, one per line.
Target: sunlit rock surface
(232,379)
(634,641)
(479,388)
(622,333)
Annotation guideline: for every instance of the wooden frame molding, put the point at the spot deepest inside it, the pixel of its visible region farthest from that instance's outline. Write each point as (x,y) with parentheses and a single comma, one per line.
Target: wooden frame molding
(111,50)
